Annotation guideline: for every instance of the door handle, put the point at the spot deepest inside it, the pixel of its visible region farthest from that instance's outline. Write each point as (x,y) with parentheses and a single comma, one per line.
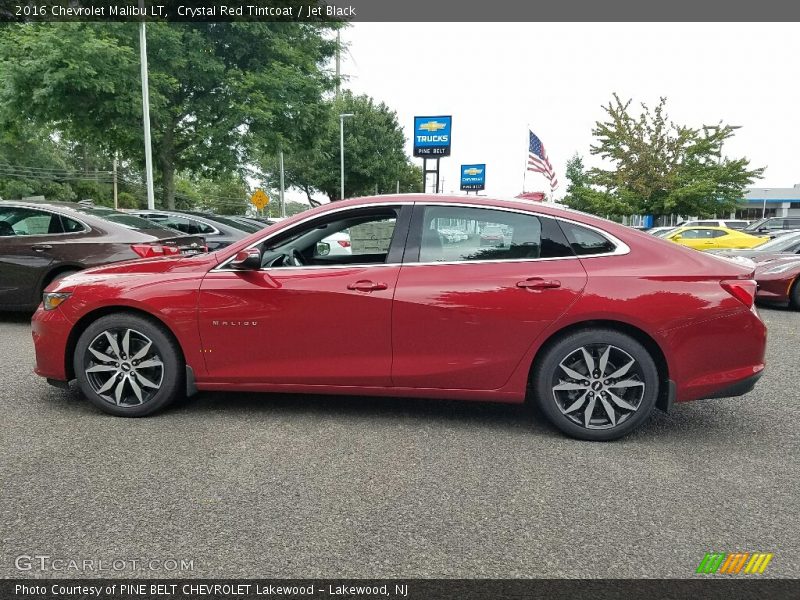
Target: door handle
(537,283)
(42,247)
(366,286)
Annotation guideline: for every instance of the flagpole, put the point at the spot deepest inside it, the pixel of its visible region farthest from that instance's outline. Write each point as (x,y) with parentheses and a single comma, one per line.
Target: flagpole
(525,167)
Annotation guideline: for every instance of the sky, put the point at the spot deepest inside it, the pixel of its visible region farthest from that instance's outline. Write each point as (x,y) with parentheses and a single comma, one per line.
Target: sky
(498,79)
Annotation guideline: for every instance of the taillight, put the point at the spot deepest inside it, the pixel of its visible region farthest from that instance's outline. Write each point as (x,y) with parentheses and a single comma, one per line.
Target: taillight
(344,243)
(152,250)
(744,290)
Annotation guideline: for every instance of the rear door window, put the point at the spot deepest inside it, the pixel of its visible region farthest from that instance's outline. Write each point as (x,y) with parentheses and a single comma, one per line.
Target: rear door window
(585,241)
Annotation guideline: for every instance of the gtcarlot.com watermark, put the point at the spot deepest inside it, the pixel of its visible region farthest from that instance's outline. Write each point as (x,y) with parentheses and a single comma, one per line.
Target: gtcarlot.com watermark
(44,563)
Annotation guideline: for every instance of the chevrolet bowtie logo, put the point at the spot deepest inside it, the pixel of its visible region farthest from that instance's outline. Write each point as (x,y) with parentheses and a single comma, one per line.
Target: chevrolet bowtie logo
(473,171)
(432,126)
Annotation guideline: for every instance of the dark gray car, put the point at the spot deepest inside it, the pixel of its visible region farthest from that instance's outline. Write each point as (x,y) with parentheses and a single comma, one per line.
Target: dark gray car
(216,232)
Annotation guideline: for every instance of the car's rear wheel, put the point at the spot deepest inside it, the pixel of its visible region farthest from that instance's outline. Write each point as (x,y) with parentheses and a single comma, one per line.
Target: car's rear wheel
(794,295)
(596,384)
(128,365)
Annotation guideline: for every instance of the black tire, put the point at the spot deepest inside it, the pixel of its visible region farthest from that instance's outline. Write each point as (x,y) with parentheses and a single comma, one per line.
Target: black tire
(794,295)
(121,367)
(598,396)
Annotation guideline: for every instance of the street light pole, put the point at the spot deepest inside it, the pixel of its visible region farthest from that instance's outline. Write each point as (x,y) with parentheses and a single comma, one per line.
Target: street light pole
(148,150)
(341,149)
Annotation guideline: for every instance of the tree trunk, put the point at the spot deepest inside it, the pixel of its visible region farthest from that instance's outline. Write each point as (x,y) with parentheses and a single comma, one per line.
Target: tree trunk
(166,159)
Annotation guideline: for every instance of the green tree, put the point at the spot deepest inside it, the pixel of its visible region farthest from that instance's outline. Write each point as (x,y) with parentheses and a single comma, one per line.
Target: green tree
(581,195)
(662,168)
(374,148)
(220,93)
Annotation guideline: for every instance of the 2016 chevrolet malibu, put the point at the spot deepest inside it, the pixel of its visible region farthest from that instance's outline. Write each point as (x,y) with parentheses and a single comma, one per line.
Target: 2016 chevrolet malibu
(595,322)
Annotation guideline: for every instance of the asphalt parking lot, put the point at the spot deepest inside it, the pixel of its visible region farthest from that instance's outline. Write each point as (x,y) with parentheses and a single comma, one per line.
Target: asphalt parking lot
(299,486)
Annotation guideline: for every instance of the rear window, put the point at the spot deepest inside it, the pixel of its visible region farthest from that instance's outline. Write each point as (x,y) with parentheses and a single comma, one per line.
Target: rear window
(120,218)
(585,241)
(241,226)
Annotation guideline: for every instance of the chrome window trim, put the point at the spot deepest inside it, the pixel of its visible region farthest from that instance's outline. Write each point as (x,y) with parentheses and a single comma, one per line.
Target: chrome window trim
(620,247)
(86,228)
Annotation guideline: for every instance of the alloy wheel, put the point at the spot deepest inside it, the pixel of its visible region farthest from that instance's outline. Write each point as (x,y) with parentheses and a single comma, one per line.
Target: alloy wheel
(124,367)
(598,386)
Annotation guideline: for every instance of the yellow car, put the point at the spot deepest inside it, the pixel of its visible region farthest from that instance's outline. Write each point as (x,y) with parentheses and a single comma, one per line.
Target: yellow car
(714,238)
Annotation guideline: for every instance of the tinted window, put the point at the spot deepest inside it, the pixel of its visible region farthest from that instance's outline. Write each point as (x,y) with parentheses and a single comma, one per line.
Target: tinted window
(716,233)
(455,234)
(791,223)
(178,223)
(28,221)
(241,226)
(586,241)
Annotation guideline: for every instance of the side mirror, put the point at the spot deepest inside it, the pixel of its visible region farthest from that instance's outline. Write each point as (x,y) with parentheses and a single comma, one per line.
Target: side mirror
(248,259)
(323,249)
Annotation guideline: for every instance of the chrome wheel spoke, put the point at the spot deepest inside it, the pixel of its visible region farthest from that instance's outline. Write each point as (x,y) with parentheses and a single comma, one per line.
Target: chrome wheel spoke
(107,385)
(101,369)
(622,370)
(620,402)
(146,382)
(571,372)
(152,362)
(628,383)
(136,389)
(604,361)
(126,343)
(612,417)
(588,360)
(119,388)
(102,357)
(143,352)
(112,343)
(577,404)
(587,414)
(566,386)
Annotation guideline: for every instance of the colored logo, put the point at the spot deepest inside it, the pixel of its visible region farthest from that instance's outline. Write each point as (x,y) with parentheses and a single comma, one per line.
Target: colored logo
(736,563)
(473,171)
(473,177)
(432,126)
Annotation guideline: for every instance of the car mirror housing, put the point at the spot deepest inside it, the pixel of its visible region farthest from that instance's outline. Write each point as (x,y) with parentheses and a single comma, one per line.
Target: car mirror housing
(248,259)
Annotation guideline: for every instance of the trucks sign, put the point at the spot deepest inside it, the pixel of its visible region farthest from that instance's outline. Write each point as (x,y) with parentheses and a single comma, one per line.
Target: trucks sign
(473,178)
(432,136)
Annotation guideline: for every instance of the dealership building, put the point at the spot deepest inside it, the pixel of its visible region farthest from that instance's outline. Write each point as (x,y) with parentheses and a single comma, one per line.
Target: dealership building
(769,202)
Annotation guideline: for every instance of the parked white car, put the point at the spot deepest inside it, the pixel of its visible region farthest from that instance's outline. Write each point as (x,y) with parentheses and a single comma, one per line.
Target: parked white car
(729,223)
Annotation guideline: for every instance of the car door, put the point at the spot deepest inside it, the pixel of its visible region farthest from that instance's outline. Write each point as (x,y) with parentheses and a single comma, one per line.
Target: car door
(466,313)
(326,322)
(26,253)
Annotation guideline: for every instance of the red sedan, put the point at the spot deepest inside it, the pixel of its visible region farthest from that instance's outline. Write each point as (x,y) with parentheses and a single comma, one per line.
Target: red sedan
(779,280)
(595,322)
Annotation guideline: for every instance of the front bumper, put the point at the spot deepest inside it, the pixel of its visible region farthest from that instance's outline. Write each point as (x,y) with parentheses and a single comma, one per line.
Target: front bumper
(50,330)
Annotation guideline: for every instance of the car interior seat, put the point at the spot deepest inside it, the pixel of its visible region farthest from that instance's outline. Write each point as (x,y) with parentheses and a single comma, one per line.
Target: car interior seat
(6,229)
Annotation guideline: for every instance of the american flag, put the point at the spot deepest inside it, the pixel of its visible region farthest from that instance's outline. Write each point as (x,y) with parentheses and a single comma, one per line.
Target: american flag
(538,161)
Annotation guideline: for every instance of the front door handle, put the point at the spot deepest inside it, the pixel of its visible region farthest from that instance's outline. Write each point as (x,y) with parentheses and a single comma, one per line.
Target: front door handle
(537,283)
(42,247)
(366,286)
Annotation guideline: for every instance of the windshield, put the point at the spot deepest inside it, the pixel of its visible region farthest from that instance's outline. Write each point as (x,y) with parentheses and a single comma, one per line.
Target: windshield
(756,225)
(784,243)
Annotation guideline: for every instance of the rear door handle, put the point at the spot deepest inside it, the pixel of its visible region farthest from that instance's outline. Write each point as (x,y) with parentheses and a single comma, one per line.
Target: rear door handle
(366,286)
(42,247)
(537,283)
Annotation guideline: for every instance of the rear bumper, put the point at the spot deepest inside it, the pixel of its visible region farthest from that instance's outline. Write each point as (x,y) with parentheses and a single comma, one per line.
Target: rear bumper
(739,388)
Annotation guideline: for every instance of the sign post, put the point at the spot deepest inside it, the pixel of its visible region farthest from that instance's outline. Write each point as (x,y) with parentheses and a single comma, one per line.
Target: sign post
(432,141)
(473,178)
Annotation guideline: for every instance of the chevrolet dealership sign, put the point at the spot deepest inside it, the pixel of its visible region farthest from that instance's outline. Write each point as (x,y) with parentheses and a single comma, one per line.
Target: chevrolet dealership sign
(473,178)
(432,136)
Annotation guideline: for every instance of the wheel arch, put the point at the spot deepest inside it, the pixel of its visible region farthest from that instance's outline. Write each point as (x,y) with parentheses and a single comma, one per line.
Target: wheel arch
(665,387)
(90,317)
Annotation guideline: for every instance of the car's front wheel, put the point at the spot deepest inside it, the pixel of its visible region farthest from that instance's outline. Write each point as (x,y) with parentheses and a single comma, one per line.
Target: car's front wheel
(596,384)
(128,365)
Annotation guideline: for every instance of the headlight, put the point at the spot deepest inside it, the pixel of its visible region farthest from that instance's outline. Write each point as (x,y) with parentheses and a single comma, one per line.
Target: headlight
(53,300)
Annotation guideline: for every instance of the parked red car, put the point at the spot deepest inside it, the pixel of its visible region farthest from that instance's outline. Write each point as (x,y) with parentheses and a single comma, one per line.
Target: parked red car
(779,281)
(595,322)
